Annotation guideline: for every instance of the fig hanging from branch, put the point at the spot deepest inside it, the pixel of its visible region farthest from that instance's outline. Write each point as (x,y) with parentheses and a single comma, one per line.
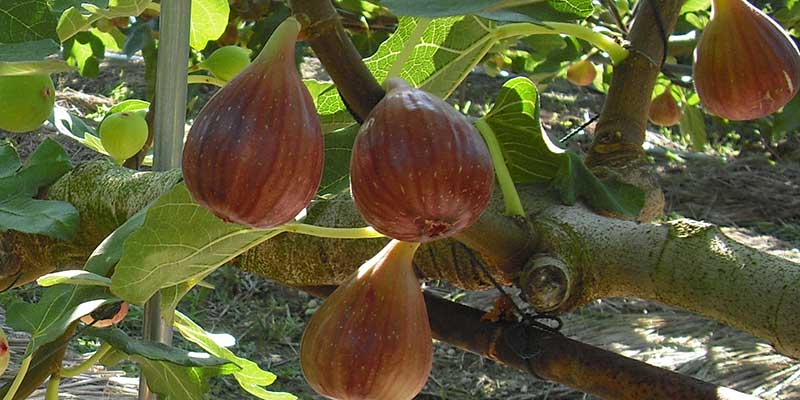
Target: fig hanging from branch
(746,65)
(419,170)
(254,155)
(371,339)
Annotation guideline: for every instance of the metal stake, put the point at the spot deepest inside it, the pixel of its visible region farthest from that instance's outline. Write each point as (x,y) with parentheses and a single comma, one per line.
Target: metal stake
(170,119)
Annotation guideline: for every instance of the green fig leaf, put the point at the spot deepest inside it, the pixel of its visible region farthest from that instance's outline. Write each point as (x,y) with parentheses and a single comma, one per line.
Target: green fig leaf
(73,277)
(18,209)
(693,126)
(178,241)
(209,20)
(447,8)
(250,377)
(62,305)
(26,21)
(528,152)
(575,181)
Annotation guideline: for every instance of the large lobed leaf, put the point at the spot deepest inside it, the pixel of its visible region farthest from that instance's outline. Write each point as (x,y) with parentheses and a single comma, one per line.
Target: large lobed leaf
(178,241)
(446,8)
(26,21)
(62,305)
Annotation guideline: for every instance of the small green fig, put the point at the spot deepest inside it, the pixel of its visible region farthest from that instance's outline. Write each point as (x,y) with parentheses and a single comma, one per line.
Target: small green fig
(664,110)
(123,134)
(746,66)
(25,101)
(226,62)
(581,73)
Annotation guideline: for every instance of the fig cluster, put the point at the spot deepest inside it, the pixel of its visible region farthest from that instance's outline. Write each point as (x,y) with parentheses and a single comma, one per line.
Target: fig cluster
(746,65)
(254,154)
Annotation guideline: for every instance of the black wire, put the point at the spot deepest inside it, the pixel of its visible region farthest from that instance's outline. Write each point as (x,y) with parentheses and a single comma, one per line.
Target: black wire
(578,129)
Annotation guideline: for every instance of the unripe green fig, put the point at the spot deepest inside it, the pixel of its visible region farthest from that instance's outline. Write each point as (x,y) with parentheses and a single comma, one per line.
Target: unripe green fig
(419,170)
(226,62)
(123,134)
(371,339)
(5,353)
(581,73)
(254,154)
(664,110)
(25,101)
(746,66)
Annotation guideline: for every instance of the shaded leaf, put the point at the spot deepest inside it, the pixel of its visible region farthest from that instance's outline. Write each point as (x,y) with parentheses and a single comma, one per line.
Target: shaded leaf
(575,181)
(26,21)
(693,126)
(28,51)
(152,351)
(18,209)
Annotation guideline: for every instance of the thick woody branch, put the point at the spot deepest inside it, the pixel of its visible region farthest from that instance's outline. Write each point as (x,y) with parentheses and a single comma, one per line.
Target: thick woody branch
(552,356)
(324,31)
(620,131)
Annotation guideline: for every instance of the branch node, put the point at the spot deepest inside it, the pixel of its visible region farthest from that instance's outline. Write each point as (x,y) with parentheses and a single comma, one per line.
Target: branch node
(546,282)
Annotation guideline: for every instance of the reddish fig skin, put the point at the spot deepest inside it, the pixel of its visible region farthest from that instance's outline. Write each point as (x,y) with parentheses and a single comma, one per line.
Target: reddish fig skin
(371,339)
(105,323)
(419,170)
(664,110)
(746,65)
(581,73)
(254,155)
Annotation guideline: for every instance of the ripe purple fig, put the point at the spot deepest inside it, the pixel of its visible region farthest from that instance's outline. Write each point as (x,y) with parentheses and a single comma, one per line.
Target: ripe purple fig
(664,110)
(254,153)
(746,66)
(419,170)
(581,73)
(371,339)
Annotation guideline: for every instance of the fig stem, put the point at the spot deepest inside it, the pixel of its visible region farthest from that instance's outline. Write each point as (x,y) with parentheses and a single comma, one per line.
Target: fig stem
(366,232)
(86,364)
(408,48)
(597,39)
(52,387)
(284,36)
(510,196)
(23,370)
(210,80)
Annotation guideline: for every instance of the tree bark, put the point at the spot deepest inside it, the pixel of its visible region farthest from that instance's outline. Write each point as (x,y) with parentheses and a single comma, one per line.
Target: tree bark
(686,263)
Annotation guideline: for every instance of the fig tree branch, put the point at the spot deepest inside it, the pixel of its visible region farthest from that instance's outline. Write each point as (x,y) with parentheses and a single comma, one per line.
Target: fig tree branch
(552,356)
(686,264)
(326,35)
(620,131)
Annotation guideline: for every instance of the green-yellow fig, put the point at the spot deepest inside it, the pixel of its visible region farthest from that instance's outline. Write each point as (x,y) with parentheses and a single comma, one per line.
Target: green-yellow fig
(664,110)
(582,73)
(123,134)
(25,101)
(226,62)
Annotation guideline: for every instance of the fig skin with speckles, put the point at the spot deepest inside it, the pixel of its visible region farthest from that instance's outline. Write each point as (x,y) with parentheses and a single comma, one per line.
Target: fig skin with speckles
(419,170)
(254,155)
(371,339)
(746,65)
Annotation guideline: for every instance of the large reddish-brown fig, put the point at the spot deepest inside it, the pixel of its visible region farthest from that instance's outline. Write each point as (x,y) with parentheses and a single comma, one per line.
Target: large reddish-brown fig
(664,110)
(419,170)
(371,339)
(746,66)
(254,154)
